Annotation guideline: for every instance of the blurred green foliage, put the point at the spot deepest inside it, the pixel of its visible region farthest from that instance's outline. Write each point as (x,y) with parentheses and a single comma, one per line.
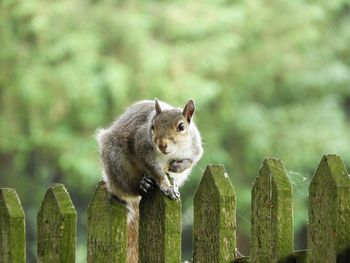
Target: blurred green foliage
(270,78)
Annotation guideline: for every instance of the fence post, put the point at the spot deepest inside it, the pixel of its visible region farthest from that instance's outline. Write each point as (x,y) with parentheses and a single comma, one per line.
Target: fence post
(300,256)
(160,229)
(214,226)
(56,223)
(107,228)
(12,228)
(272,218)
(329,212)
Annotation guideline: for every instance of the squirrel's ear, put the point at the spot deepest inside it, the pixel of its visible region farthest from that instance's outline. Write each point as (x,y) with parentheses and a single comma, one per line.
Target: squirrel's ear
(189,110)
(157,106)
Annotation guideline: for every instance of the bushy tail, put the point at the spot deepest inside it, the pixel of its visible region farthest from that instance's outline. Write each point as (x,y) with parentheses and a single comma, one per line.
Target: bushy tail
(133,232)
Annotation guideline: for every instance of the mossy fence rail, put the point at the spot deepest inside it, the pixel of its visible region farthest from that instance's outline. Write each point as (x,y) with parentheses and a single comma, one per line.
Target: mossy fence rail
(214,228)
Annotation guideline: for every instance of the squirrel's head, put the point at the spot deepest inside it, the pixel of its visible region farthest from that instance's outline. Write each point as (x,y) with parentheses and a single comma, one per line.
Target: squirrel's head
(171,128)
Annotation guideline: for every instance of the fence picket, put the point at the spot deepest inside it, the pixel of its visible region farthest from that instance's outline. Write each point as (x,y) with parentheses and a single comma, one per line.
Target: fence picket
(12,228)
(107,228)
(300,256)
(272,218)
(56,227)
(242,260)
(160,229)
(214,226)
(329,212)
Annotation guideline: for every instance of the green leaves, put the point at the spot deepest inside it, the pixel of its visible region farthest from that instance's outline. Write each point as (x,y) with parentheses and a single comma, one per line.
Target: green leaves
(268,79)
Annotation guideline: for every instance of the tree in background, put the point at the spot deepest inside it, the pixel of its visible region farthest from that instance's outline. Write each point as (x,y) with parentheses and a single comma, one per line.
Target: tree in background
(269,79)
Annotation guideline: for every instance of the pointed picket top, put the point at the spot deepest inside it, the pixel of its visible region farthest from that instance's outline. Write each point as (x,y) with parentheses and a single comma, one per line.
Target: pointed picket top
(61,197)
(107,228)
(10,201)
(214,227)
(56,226)
(272,216)
(329,212)
(332,170)
(12,227)
(215,178)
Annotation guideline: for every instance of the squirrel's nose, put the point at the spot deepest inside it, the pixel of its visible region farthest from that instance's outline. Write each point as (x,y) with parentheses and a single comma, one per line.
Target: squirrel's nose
(162,145)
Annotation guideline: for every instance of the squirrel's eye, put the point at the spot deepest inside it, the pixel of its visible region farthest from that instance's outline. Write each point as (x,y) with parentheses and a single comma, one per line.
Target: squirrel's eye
(181,127)
(152,127)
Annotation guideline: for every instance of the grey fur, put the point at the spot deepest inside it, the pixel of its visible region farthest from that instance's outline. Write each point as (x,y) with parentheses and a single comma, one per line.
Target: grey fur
(129,152)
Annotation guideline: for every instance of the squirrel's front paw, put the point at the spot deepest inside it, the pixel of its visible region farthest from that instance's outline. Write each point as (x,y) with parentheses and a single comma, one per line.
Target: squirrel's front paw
(178,166)
(171,192)
(147,184)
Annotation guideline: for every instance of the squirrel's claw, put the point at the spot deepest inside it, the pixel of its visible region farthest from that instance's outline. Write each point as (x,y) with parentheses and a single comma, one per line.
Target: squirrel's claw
(171,192)
(147,183)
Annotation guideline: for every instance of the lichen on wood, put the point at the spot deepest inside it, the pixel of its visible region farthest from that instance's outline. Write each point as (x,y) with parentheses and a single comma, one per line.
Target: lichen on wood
(299,256)
(242,260)
(56,227)
(214,226)
(272,217)
(12,228)
(107,228)
(160,229)
(329,212)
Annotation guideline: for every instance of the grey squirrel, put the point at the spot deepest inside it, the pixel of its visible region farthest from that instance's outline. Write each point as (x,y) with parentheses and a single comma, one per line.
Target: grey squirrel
(150,143)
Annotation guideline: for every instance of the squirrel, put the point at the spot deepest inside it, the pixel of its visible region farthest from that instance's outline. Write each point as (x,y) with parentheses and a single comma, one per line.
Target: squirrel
(151,143)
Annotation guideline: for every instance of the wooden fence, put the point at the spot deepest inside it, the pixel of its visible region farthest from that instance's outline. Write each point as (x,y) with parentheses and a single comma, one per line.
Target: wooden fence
(214,228)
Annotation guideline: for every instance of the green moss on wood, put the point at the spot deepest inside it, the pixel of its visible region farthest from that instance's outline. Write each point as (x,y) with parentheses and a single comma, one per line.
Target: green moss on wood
(56,226)
(160,229)
(329,212)
(107,228)
(214,227)
(300,256)
(12,228)
(272,218)
(242,260)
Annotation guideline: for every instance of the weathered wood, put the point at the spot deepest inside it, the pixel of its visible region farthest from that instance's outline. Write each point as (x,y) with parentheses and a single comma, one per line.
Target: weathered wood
(272,216)
(12,228)
(214,226)
(329,212)
(300,256)
(160,229)
(242,260)
(107,228)
(56,227)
